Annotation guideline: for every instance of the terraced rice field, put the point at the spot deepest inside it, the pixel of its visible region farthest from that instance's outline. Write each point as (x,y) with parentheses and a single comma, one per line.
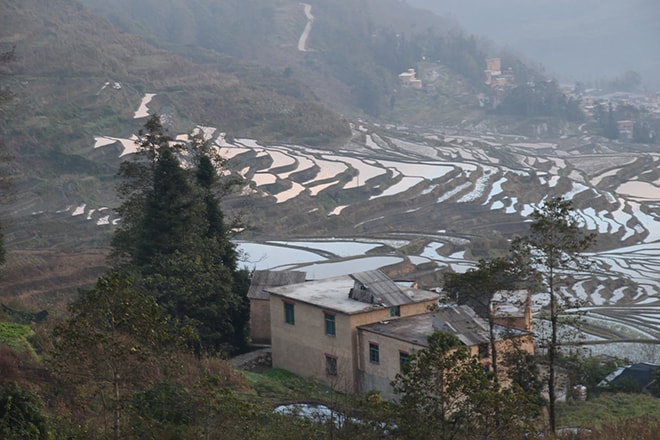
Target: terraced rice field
(364,206)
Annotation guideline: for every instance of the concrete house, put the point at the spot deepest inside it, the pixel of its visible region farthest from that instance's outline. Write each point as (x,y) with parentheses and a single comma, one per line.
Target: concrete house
(314,325)
(409,79)
(354,332)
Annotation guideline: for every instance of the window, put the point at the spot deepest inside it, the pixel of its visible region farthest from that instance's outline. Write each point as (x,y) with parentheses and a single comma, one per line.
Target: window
(403,358)
(483,351)
(395,311)
(374,353)
(331,364)
(330,328)
(289,313)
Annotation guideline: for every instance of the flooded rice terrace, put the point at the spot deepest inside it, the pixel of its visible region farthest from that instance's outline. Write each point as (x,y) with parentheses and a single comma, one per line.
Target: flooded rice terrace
(400,179)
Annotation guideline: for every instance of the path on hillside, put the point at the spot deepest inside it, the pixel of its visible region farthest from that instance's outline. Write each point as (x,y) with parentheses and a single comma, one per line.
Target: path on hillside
(302,42)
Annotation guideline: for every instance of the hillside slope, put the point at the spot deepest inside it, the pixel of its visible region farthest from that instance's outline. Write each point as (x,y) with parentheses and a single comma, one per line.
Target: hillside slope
(77,78)
(354,49)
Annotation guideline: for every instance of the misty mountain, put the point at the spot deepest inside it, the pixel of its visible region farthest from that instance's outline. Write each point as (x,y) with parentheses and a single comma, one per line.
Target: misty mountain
(588,40)
(355,49)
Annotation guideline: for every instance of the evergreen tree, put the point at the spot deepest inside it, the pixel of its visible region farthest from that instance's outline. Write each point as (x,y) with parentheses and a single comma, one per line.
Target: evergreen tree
(610,127)
(174,239)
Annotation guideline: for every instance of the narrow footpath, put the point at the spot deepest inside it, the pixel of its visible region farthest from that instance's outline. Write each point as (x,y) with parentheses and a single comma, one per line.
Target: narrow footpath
(302,42)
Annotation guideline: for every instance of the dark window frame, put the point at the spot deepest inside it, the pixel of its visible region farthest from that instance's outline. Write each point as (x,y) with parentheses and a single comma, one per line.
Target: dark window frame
(484,351)
(330,323)
(330,364)
(403,358)
(289,312)
(374,353)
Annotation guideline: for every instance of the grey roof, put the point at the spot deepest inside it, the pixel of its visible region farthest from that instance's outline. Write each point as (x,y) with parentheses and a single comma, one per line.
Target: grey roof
(639,375)
(462,321)
(333,294)
(263,279)
(379,289)
(459,320)
(413,329)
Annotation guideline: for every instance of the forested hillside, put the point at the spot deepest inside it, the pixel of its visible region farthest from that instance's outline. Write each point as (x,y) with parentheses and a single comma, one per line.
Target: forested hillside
(356,49)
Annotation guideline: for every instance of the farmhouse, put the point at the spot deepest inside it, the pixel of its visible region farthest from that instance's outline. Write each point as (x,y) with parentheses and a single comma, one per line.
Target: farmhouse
(354,332)
(409,79)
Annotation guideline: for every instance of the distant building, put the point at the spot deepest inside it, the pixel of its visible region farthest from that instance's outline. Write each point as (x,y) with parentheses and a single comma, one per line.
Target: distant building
(494,65)
(625,129)
(408,79)
(495,77)
(632,377)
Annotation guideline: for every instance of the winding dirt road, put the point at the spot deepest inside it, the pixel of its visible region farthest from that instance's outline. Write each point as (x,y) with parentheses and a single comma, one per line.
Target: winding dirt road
(302,42)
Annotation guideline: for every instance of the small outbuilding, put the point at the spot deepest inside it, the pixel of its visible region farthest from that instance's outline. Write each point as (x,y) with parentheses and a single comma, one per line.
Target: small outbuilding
(260,299)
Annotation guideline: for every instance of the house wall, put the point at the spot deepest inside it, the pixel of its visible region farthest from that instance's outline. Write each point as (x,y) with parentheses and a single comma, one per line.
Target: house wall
(302,348)
(260,321)
(525,342)
(377,377)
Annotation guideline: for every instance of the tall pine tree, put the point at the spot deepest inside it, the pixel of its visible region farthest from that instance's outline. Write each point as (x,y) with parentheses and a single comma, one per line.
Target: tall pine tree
(174,240)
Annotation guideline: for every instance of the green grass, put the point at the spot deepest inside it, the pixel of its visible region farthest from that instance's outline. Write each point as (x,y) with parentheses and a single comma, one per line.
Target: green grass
(275,386)
(16,336)
(608,408)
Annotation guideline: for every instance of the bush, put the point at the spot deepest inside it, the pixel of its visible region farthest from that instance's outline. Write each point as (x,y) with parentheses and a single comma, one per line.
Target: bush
(21,415)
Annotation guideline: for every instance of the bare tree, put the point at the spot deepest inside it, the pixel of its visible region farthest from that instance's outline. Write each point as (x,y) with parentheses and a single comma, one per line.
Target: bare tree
(553,249)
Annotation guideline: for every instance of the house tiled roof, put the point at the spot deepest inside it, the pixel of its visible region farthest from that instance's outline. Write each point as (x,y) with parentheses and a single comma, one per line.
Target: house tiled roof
(335,294)
(463,322)
(458,320)
(374,287)
(263,279)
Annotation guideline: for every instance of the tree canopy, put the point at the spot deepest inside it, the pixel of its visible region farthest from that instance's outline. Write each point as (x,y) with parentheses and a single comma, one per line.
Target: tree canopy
(476,288)
(110,348)
(446,394)
(174,239)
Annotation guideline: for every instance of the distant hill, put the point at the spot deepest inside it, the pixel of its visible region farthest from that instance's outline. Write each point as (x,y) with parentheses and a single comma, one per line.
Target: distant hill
(77,76)
(577,41)
(355,49)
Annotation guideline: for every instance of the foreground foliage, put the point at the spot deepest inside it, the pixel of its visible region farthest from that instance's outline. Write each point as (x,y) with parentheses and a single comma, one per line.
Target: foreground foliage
(21,414)
(114,344)
(446,392)
(553,249)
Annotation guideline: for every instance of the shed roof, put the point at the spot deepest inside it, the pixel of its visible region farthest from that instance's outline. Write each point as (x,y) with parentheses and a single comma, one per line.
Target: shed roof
(459,320)
(262,279)
(378,288)
(641,375)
